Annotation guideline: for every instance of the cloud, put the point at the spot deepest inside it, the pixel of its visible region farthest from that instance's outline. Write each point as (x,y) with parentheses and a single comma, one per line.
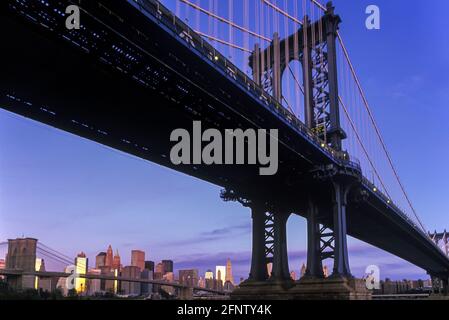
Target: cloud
(214,235)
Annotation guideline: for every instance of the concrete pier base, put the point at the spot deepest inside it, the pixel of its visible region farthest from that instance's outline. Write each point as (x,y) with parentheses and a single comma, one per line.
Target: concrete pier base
(264,290)
(334,288)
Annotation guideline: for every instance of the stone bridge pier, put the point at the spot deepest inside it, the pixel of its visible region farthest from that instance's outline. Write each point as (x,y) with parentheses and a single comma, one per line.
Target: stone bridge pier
(21,256)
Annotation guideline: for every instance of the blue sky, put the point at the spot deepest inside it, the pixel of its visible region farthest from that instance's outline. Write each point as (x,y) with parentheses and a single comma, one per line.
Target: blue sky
(75,195)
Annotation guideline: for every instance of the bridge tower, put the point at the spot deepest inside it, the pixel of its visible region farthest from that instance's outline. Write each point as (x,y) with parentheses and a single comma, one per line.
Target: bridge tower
(316,51)
(314,46)
(21,256)
(316,43)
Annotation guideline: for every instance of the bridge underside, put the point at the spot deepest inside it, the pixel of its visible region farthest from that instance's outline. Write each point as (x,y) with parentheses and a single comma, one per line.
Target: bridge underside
(55,83)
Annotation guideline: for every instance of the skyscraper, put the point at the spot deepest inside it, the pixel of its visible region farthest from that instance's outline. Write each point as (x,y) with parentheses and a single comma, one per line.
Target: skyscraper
(229,276)
(116,264)
(326,271)
(81,264)
(159,271)
(293,275)
(220,273)
(149,265)
(109,257)
(168,265)
(100,260)
(209,275)
(131,288)
(146,288)
(160,268)
(269,268)
(2,266)
(94,285)
(138,259)
(209,279)
(39,263)
(303,270)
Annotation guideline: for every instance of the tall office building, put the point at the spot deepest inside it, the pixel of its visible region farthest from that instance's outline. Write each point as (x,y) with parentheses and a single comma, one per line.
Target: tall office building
(81,264)
(149,265)
(326,271)
(108,285)
(138,259)
(100,260)
(131,288)
(40,266)
(2,266)
(94,285)
(209,275)
(169,277)
(303,270)
(202,283)
(229,276)
(269,268)
(168,265)
(293,275)
(116,264)
(220,273)
(109,257)
(146,288)
(160,268)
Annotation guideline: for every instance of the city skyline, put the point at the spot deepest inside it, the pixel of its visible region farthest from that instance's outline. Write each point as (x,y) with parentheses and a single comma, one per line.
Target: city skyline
(78,193)
(359,253)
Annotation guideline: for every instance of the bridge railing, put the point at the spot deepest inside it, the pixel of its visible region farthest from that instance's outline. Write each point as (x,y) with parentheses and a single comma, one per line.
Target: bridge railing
(389,202)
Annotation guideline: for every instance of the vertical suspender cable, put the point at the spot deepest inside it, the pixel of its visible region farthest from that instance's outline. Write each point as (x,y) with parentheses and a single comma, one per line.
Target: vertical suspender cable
(287,52)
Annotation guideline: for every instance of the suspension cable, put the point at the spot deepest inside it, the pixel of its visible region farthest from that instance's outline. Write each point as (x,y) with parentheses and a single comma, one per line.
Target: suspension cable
(362,145)
(352,71)
(276,8)
(371,116)
(319,5)
(40,244)
(232,45)
(233,24)
(296,80)
(376,128)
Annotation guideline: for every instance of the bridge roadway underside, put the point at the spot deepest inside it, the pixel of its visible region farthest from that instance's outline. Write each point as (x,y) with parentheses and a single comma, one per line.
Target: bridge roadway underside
(89,98)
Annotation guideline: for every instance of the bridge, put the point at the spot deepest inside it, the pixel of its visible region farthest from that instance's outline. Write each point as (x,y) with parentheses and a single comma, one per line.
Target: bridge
(135,71)
(184,292)
(21,270)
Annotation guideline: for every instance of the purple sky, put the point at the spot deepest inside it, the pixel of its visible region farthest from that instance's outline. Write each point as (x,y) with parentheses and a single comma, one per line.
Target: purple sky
(75,195)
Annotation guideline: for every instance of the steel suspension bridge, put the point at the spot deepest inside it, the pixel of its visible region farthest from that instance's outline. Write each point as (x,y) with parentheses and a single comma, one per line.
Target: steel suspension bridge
(248,64)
